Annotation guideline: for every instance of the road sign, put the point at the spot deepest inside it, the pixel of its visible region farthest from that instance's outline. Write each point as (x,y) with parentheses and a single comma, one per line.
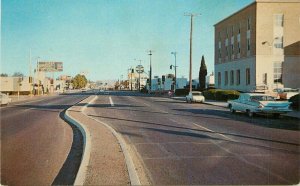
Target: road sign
(50,66)
(139,69)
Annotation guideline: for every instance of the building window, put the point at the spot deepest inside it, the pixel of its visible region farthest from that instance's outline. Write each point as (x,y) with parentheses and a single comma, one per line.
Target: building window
(231,77)
(277,67)
(219,52)
(248,44)
(248,76)
(227,51)
(226,32)
(238,79)
(248,24)
(226,77)
(239,47)
(232,30)
(219,79)
(278,42)
(232,49)
(239,28)
(265,78)
(278,20)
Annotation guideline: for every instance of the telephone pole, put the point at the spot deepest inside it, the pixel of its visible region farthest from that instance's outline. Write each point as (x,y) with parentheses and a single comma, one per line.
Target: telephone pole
(191,40)
(150,75)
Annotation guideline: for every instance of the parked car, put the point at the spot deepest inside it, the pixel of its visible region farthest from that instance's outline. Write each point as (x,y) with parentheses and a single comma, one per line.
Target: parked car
(260,89)
(4,99)
(253,103)
(285,93)
(195,96)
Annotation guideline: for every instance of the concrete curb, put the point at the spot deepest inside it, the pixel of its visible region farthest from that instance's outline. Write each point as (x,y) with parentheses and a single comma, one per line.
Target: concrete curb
(133,176)
(80,177)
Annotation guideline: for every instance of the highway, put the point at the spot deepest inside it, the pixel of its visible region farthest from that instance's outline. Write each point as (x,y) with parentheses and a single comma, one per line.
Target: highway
(173,142)
(180,143)
(35,141)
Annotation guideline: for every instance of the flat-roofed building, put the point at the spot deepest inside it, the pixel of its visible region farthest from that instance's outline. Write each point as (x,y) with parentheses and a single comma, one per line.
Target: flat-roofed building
(259,45)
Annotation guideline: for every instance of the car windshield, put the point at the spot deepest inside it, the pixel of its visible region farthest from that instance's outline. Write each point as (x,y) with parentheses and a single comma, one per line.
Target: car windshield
(291,90)
(196,94)
(262,98)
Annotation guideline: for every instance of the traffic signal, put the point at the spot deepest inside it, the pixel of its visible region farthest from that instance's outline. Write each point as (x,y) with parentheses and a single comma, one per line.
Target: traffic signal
(132,70)
(171,67)
(163,78)
(30,79)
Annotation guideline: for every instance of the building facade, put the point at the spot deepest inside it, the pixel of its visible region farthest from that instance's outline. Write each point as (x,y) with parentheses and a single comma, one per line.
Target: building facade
(259,45)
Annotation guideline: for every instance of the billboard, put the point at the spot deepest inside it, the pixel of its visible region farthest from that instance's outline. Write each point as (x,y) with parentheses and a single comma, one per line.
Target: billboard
(50,66)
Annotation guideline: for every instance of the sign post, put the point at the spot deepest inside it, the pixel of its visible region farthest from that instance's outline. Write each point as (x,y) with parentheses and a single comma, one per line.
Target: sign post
(139,69)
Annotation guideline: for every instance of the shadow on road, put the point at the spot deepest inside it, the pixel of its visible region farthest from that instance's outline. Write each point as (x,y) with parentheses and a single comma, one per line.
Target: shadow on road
(190,129)
(284,123)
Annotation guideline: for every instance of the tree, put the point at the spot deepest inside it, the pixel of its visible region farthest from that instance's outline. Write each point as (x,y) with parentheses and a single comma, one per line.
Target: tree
(3,75)
(202,74)
(79,81)
(18,74)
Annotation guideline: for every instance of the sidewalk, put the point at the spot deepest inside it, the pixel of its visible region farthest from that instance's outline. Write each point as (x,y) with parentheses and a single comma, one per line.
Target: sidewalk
(293,114)
(21,98)
(103,162)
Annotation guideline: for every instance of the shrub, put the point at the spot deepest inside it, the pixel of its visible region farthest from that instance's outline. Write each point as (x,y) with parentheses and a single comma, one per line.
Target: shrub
(295,101)
(182,92)
(221,95)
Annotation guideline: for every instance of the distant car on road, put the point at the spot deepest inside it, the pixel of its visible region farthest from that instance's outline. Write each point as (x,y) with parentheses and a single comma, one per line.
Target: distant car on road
(195,96)
(285,93)
(83,90)
(253,103)
(4,99)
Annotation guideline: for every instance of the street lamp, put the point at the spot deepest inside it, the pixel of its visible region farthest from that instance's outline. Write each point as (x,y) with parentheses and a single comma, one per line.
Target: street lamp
(174,53)
(271,53)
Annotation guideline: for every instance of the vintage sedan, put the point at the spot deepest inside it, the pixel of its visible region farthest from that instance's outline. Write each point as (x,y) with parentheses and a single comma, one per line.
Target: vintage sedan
(195,96)
(255,103)
(4,99)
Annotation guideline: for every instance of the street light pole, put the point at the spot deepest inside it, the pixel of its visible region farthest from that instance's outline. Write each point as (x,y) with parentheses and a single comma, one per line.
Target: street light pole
(191,40)
(150,76)
(175,53)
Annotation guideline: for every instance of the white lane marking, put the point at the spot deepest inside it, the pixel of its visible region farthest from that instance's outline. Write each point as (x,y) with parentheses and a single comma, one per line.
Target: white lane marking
(241,158)
(207,129)
(111,102)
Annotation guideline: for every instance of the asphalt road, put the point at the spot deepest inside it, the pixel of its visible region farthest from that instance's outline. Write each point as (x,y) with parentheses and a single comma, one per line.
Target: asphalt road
(35,141)
(182,143)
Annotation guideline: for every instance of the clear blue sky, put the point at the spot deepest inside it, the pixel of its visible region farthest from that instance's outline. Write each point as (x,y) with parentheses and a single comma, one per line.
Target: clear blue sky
(105,36)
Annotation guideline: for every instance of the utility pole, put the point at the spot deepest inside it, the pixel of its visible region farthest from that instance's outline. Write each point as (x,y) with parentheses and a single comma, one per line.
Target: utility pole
(175,53)
(191,40)
(30,75)
(150,75)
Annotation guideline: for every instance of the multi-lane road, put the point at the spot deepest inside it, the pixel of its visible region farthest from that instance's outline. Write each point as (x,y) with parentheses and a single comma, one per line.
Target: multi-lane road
(187,144)
(176,142)
(35,141)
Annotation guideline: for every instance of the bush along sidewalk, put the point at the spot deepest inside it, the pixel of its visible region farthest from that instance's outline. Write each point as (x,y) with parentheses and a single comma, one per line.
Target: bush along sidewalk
(221,95)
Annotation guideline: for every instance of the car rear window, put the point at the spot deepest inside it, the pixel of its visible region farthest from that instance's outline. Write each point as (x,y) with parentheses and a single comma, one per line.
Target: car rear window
(197,94)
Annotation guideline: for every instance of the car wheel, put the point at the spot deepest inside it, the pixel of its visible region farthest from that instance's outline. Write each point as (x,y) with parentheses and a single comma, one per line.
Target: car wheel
(250,114)
(276,115)
(231,109)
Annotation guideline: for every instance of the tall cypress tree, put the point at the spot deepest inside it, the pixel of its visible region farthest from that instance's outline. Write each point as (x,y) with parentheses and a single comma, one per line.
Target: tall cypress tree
(202,74)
